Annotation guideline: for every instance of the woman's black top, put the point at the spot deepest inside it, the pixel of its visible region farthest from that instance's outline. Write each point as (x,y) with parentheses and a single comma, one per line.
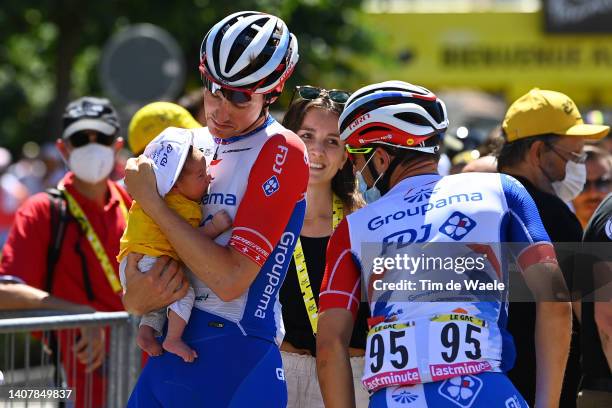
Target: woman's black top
(297,325)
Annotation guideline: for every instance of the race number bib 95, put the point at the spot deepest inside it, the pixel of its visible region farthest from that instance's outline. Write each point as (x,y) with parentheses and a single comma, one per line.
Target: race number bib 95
(390,356)
(457,342)
(450,345)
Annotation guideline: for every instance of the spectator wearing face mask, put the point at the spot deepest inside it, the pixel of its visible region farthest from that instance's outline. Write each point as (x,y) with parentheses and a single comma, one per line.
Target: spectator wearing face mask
(598,183)
(65,242)
(544,139)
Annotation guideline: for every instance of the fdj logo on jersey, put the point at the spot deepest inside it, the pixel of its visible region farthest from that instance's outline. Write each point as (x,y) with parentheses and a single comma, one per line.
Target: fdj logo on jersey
(461,390)
(403,238)
(457,226)
(280,159)
(423,208)
(270,186)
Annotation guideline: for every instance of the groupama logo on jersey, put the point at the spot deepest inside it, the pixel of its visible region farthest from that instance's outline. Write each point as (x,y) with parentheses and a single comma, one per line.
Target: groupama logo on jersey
(461,390)
(457,226)
(422,209)
(219,198)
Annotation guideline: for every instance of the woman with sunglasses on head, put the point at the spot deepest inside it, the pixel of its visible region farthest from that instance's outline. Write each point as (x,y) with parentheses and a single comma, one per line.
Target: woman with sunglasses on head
(259,175)
(331,194)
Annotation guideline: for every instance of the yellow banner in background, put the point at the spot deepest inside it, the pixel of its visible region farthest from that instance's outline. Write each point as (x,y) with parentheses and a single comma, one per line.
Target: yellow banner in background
(497,52)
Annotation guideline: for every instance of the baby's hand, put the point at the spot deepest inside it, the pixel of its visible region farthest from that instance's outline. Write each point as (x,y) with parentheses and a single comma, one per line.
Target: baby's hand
(219,223)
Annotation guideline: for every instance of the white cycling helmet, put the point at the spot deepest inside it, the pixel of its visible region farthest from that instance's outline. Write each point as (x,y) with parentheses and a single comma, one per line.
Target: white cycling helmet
(249,52)
(393,113)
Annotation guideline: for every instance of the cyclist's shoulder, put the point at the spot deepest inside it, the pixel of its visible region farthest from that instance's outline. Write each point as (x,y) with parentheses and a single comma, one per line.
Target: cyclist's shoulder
(283,147)
(473,176)
(278,134)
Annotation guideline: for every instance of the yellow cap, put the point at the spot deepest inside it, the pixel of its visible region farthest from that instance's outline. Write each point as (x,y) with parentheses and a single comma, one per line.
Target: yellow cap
(153,118)
(541,112)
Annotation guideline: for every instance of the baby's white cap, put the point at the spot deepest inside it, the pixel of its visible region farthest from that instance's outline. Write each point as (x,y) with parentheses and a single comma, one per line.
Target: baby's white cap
(169,151)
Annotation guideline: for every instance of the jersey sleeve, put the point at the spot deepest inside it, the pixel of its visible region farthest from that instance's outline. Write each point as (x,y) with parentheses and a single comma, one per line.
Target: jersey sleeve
(25,252)
(342,281)
(523,226)
(277,181)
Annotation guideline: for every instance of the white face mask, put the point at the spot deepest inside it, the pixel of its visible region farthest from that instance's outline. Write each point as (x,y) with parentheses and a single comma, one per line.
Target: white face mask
(369,194)
(573,183)
(92,163)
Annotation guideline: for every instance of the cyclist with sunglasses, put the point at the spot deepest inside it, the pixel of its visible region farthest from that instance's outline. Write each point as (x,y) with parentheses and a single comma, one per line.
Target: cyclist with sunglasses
(259,175)
(428,347)
(73,259)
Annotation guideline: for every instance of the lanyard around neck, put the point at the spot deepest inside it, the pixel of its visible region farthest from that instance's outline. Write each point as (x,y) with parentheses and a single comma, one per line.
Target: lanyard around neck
(302,272)
(78,213)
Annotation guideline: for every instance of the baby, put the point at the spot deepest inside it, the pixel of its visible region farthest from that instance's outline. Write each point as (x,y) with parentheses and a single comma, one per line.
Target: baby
(180,172)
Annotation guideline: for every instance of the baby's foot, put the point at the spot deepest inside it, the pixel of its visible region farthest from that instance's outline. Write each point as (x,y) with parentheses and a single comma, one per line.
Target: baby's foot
(178,347)
(146,341)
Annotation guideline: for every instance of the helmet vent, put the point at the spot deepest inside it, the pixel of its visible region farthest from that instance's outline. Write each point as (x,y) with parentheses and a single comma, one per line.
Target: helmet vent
(412,118)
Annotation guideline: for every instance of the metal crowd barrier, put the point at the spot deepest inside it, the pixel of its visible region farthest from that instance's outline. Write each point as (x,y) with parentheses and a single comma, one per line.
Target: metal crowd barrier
(27,361)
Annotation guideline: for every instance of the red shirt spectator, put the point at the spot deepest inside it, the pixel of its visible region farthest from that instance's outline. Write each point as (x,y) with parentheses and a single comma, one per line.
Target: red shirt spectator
(89,145)
(26,257)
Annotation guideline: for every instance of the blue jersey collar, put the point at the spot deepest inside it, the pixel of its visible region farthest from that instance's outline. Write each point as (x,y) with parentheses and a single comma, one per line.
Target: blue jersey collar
(269,120)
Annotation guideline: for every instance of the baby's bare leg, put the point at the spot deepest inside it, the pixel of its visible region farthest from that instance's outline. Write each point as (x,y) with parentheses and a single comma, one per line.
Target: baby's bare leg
(174,342)
(146,341)
(220,222)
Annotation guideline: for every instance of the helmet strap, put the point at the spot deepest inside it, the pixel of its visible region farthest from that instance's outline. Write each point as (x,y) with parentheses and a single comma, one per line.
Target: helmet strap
(382,180)
(386,179)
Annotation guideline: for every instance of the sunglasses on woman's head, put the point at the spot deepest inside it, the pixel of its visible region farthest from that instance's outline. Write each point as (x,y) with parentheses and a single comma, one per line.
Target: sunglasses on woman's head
(312,92)
(81,138)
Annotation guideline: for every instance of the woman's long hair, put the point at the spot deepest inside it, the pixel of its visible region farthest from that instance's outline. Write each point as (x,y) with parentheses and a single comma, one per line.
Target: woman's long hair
(344,183)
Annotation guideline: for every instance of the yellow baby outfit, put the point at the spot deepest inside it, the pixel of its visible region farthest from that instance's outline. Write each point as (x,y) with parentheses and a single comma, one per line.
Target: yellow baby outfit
(142,235)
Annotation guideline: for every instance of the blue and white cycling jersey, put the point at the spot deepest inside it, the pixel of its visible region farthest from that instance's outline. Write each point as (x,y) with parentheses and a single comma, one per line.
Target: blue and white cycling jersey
(427,334)
(260,179)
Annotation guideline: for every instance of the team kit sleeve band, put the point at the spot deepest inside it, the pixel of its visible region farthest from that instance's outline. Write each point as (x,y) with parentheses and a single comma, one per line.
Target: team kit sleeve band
(275,183)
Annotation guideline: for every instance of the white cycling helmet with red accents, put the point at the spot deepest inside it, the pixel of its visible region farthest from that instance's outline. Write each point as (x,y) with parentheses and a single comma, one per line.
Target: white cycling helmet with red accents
(249,51)
(393,113)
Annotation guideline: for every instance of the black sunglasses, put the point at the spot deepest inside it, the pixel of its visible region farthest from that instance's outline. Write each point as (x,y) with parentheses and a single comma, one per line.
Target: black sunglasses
(82,138)
(232,95)
(600,184)
(312,92)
